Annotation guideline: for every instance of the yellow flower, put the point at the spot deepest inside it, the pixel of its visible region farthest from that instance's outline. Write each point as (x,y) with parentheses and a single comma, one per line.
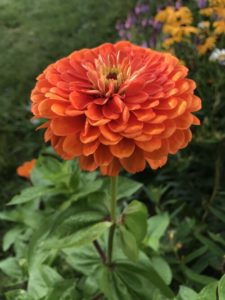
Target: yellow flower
(169,42)
(176,24)
(208,11)
(208,45)
(219,27)
(220,3)
(166,15)
(184,15)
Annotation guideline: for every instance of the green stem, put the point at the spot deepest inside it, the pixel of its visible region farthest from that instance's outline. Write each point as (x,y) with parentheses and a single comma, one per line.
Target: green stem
(113,218)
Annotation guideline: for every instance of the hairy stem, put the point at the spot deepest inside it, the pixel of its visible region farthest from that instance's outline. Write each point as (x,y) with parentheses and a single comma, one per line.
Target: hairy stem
(113,218)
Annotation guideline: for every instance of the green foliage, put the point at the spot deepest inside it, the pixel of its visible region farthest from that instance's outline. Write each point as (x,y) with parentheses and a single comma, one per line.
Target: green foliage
(58,242)
(157,226)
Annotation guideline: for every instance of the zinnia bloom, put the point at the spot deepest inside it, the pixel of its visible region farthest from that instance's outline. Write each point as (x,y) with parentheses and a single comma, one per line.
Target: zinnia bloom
(25,169)
(116,107)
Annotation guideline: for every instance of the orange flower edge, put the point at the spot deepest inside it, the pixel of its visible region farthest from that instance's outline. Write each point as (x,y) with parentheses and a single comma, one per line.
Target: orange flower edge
(25,169)
(116,107)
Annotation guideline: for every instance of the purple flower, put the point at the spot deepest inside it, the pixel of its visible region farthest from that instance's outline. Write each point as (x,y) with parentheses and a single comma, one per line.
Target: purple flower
(152,41)
(144,44)
(202,3)
(144,22)
(141,8)
(131,20)
(178,4)
(122,33)
(119,26)
(155,24)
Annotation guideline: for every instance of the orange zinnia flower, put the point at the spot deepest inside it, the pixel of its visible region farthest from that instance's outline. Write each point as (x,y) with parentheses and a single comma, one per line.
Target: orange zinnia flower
(116,106)
(25,169)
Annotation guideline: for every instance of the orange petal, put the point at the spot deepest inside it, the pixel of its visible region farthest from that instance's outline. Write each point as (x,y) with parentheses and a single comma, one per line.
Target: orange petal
(48,134)
(159,119)
(59,108)
(170,127)
(94,112)
(169,103)
(71,112)
(149,146)
(176,141)
(124,148)
(184,121)
(72,145)
(109,135)
(117,125)
(196,104)
(87,163)
(90,148)
(44,108)
(155,164)
(67,125)
(135,162)
(133,124)
(112,169)
(144,115)
(153,129)
(159,153)
(137,98)
(195,121)
(103,156)
(89,135)
(178,110)
(109,113)
(79,101)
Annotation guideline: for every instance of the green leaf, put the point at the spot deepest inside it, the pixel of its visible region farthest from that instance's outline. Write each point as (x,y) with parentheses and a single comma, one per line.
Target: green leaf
(84,260)
(162,268)
(158,296)
(202,279)
(31,193)
(41,279)
(142,279)
(218,214)
(214,248)
(10,266)
(48,170)
(128,243)
(135,219)
(221,288)
(89,188)
(156,193)
(185,293)
(64,290)
(112,286)
(79,238)
(36,254)
(195,254)
(10,237)
(127,187)
(157,226)
(18,295)
(217,238)
(208,292)
(23,214)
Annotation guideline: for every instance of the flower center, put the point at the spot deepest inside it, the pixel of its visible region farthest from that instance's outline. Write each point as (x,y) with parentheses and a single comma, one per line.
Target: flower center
(112,75)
